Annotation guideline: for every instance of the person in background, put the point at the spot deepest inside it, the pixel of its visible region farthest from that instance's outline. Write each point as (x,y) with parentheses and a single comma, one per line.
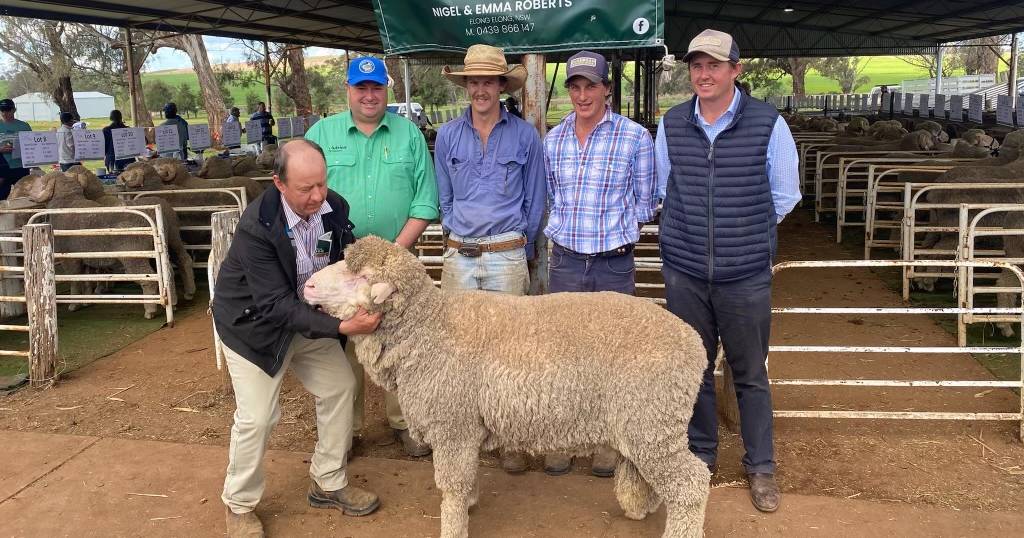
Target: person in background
(9,129)
(512,105)
(66,142)
(110,160)
(266,120)
(79,124)
(172,118)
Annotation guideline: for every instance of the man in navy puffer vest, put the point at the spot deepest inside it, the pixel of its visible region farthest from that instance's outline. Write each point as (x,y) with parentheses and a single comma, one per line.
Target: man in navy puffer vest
(727,171)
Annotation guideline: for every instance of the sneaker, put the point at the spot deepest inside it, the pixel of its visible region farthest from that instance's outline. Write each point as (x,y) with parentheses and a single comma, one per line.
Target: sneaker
(245,525)
(764,491)
(513,462)
(604,462)
(351,500)
(557,464)
(412,447)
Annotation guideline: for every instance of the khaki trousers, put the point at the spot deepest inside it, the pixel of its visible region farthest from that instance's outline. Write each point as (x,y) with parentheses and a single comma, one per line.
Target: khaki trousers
(393,410)
(319,365)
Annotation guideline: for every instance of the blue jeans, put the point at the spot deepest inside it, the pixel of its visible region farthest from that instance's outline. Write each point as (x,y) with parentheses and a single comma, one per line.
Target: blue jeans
(504,271)
(569,271)
(740,314)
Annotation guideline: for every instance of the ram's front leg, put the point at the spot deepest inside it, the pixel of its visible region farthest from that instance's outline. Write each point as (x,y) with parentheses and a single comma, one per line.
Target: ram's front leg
(455,475)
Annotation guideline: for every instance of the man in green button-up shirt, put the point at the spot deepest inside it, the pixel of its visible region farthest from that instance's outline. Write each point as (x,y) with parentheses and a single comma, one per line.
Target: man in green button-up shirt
(379,162)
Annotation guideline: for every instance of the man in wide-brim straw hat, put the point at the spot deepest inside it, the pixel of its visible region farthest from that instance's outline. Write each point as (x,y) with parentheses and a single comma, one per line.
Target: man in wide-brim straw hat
(484,61)
(491,186)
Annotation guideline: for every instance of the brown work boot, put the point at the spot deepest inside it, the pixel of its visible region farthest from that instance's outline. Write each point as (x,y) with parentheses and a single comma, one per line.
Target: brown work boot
(764,491)
(557,464)
(513,462)
(352,501)
(411,446)
(245,525)
(604,462)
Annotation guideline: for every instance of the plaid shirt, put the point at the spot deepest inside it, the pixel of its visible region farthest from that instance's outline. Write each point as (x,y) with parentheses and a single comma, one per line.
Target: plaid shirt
(304,234)
(599,192)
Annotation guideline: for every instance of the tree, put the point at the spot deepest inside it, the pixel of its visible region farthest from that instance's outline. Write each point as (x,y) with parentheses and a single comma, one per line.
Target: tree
(323,91)
(981,56)
(213,100)
(432,88)
(950,62)
(674,81)
(158,94)
(251,102)
(186,99)
(42,47)
(283,104)
(287,70)
(797,68)
(24,81)
(104,60)
(763,75)
(847,71)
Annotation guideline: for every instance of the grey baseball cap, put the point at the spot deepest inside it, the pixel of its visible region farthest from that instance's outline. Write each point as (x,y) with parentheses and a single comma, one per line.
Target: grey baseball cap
(719,45)
(589,65)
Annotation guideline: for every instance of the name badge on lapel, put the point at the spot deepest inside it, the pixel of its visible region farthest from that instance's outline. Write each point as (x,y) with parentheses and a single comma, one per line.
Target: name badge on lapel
(323,244)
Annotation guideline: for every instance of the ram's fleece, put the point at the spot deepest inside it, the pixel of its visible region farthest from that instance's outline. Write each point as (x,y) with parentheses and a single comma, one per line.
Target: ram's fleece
(565,372)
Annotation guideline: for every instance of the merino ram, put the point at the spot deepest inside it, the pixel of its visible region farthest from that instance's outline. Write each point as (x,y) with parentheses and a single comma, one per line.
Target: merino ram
(552,373)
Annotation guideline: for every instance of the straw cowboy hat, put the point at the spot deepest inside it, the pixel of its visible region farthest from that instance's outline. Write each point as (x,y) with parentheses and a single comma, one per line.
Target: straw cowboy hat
(487,61)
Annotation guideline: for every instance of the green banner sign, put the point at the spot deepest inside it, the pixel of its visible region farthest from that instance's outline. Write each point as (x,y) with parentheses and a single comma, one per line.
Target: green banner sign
(522,26)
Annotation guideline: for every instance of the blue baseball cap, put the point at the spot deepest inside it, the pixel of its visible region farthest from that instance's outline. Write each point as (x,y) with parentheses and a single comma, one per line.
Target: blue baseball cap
(367,69)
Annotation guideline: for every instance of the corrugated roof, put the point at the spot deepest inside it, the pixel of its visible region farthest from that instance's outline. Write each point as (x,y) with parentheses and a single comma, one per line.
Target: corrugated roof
(761,27)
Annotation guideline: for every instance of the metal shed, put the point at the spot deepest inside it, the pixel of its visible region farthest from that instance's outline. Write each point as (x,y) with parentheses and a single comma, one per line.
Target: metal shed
(40,106)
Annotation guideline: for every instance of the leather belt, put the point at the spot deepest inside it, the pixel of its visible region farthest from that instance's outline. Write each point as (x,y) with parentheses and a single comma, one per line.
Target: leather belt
(473,250)
(619,251)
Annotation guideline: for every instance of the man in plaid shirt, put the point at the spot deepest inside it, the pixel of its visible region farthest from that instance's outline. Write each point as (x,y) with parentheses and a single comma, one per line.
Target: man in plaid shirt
(601,189)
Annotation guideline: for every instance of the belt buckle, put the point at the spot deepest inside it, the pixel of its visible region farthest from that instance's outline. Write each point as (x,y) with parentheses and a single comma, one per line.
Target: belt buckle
(470,250)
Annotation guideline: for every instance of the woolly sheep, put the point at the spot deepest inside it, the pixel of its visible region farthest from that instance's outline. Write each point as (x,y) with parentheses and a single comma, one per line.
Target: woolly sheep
(551,373)
(80,188)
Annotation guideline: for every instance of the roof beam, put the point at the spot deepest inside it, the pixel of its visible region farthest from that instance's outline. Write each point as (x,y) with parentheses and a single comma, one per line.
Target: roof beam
(938,19)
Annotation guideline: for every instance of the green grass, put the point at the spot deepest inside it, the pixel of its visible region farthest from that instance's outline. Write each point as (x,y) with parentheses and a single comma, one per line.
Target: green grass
(97,330)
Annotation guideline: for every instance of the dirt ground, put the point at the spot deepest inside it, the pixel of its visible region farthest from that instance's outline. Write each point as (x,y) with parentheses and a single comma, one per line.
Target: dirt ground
(165,387)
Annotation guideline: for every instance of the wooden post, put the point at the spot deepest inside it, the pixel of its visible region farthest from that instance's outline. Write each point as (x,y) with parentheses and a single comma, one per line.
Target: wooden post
(637,85)
(11,285)
(223,229)
(617,82)
(266,77)
(129,62)
(41,302)
(535,112)
(1012,78)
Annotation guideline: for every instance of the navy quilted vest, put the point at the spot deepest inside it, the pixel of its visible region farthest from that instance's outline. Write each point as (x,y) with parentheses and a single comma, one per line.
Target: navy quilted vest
(718,219)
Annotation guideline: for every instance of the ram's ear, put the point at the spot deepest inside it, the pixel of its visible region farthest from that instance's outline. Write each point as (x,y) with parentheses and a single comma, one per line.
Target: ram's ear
(41,189)
(380,291)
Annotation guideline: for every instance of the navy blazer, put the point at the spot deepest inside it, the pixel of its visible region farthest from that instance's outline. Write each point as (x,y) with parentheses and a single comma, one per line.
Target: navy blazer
(256,306)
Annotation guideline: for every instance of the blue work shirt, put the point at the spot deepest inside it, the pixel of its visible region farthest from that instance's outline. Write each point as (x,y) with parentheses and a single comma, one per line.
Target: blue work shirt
(492,190)
(783,160)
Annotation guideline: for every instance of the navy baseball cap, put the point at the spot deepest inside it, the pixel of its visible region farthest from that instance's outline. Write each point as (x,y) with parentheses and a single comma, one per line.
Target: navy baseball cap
(6,104)
(589,65)
(367,69)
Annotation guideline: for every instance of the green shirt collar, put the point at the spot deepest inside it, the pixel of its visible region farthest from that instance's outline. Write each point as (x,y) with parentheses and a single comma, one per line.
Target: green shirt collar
(350,123)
